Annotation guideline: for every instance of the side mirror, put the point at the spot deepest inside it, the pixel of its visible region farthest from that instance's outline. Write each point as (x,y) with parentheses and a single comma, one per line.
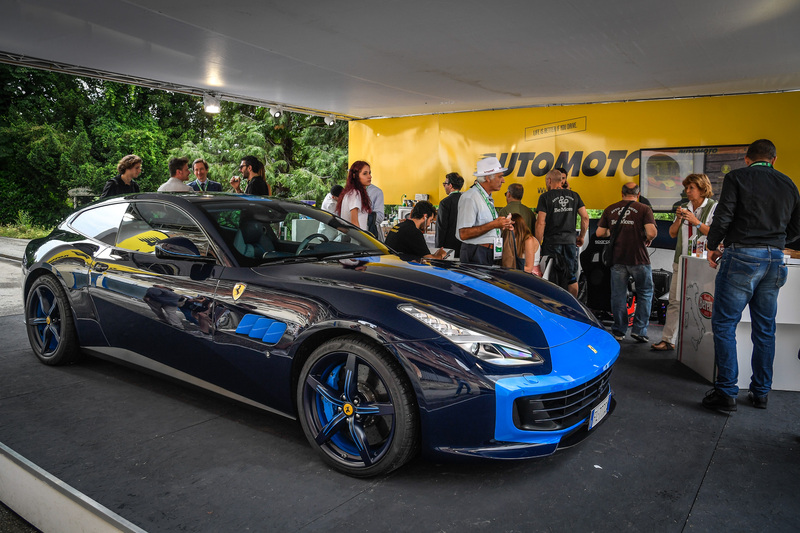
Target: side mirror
(182,249)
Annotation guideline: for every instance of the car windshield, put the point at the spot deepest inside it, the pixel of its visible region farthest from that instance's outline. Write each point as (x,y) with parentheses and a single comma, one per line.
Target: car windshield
(264,231)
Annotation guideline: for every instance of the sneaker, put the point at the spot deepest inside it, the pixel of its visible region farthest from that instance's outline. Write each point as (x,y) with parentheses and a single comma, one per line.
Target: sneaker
(640,338)
(759,402)
(618,336)
(717,401)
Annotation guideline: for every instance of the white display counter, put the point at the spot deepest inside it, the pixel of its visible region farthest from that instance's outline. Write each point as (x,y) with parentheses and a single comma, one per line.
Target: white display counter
(696,344)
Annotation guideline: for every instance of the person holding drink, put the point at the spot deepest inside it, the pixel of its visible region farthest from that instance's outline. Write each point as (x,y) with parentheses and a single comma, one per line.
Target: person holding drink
(692,222)
(253,171)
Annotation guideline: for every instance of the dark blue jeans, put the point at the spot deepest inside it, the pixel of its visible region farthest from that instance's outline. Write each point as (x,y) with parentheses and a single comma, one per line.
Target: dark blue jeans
(643,278)
(746,276)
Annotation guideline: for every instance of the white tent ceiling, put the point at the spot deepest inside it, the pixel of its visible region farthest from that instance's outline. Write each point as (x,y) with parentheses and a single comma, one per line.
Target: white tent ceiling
(360,59)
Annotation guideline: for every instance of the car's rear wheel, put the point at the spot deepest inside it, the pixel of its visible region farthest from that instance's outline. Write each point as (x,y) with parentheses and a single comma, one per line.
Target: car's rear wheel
(357,407)
(51,329)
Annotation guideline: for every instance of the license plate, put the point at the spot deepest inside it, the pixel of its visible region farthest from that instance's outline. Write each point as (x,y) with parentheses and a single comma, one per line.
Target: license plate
(599,412)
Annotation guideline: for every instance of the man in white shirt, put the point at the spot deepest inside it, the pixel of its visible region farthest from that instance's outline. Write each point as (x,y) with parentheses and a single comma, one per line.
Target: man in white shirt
(329,205)
(332,198)
(178,174)
(479,227)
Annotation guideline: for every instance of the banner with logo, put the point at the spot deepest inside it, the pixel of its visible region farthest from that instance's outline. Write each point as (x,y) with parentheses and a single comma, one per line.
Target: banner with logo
(598,144)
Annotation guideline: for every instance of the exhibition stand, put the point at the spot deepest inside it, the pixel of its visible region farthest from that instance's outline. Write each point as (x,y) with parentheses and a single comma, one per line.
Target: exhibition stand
(696,344)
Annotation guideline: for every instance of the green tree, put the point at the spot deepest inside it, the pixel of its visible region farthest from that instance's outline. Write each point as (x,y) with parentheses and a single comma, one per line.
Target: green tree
(30,159)
(303,156)
(58,132)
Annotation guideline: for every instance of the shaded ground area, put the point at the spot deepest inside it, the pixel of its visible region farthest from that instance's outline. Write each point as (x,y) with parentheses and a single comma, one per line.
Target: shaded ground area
(169,458)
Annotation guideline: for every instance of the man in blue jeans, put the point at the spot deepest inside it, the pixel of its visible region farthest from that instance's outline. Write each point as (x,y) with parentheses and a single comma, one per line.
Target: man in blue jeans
(758,209)
(630,257)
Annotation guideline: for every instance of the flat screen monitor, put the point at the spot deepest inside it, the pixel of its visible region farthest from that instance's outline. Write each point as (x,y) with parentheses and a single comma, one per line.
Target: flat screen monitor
(662,171)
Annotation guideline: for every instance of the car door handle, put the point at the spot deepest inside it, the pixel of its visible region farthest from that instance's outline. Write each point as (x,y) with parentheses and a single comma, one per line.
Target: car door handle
(100,267)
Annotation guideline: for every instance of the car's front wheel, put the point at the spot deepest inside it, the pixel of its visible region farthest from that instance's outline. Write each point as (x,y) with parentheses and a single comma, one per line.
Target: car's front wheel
(357,407)
(48,317)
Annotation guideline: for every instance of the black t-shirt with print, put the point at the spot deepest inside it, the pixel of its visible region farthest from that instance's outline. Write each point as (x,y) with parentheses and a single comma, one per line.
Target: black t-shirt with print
(561,208)
(629,248)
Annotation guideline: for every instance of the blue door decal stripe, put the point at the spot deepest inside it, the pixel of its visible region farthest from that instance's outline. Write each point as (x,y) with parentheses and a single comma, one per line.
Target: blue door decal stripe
(262,328)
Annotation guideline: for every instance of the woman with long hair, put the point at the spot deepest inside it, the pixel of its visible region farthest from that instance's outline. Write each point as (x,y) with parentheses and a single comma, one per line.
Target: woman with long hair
(354,205)
(520,247)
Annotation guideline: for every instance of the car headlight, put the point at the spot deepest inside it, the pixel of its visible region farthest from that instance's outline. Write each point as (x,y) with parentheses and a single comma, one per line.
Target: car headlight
(484,347)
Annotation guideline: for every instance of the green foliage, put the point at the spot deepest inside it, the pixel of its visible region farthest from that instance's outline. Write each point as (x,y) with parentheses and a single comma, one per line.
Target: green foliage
(30,160)
(59,132)
(23,219)
(303,156)
(23,228)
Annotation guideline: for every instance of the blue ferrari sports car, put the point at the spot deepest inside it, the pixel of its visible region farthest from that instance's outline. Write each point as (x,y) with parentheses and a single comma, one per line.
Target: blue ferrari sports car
(291,309)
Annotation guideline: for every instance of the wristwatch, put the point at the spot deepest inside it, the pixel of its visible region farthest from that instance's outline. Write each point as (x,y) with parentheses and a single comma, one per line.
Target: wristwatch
(697,227)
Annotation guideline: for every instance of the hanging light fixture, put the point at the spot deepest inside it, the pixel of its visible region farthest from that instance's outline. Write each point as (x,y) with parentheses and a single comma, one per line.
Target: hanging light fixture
(211,103)
(330,120)
(276,111)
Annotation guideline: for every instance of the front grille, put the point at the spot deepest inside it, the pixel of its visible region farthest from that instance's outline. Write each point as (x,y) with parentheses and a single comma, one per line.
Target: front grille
(562,409)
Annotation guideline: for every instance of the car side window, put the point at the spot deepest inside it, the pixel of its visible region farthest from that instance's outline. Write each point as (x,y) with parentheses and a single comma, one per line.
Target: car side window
(146,223)
(101,223)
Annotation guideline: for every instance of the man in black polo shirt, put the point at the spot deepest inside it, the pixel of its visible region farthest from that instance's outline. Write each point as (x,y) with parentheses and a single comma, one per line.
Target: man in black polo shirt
(758,209)
(406,236)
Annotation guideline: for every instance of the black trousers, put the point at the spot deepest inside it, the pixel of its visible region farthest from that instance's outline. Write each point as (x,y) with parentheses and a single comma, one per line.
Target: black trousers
(477,255)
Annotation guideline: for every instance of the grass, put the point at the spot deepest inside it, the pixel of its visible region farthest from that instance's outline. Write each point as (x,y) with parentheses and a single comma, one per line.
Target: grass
(23,228)
(18,232)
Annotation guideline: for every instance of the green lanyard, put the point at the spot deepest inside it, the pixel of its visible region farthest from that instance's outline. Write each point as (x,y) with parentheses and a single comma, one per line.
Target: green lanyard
(761,164)
(490,205)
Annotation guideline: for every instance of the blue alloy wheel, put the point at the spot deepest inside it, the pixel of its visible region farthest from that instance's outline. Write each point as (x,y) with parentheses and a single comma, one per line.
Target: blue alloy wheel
(48,317)
(357,408)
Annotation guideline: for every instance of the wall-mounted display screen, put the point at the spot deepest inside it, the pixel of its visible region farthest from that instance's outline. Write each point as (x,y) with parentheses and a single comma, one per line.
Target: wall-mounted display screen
(662,171)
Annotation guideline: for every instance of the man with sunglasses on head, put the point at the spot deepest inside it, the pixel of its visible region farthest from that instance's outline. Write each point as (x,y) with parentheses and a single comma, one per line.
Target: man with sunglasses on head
(252,171)
(448,214)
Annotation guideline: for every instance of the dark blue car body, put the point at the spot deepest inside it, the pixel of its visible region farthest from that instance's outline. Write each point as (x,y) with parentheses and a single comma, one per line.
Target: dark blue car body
(175,284)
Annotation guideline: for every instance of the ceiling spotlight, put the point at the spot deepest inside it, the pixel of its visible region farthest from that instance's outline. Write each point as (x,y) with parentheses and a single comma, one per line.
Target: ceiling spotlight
(211,103)
(330,120)
(276,111)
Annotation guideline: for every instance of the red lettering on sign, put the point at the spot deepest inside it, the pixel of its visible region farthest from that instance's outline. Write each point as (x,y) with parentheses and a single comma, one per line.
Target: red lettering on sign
(705,303)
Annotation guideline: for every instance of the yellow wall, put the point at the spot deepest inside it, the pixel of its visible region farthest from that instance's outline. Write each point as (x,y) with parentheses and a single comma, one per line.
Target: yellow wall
(412,155)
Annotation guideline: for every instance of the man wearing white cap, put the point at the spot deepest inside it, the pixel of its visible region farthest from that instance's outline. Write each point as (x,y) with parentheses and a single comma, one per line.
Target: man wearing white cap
(479,227)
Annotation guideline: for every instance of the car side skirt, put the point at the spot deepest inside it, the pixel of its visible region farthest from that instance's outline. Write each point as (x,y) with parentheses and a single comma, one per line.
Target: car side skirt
(139,361)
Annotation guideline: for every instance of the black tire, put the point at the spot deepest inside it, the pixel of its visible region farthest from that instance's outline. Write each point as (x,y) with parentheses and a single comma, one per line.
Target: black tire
(50,325)
(363,427)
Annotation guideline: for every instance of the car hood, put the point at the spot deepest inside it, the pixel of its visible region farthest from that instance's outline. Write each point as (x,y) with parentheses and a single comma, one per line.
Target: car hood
(535,311)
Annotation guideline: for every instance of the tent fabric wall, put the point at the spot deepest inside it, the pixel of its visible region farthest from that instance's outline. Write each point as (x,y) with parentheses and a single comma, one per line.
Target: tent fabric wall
(411,155)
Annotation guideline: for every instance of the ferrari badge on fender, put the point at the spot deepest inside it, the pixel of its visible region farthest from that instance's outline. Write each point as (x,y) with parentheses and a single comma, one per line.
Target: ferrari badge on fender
(238,290)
